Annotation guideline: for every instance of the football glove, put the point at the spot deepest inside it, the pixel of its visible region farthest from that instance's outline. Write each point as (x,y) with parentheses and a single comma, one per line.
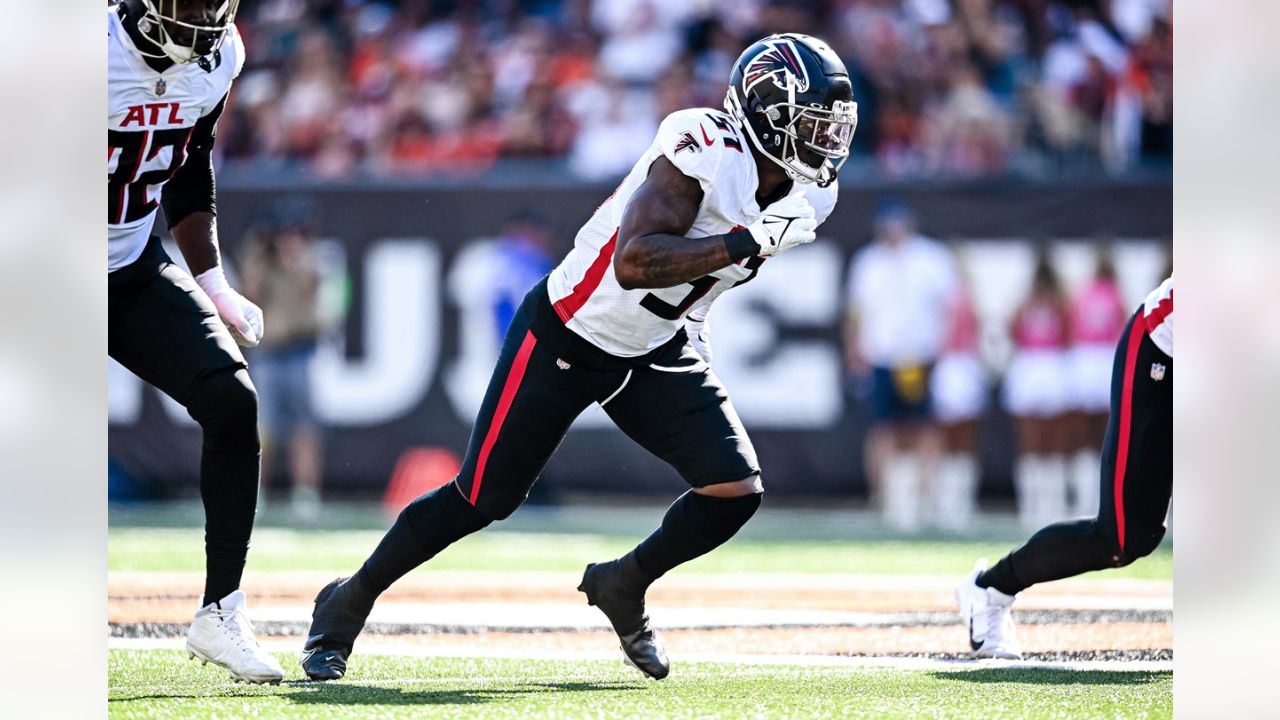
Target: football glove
(242,318)
(698,326)
(784,225)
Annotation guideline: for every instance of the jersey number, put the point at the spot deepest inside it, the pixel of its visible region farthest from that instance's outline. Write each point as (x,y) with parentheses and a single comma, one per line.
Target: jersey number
(701,287)
(127,196)
(667,311)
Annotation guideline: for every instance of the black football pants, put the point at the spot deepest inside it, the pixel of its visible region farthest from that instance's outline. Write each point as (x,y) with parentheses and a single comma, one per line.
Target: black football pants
(1137,478)
(165,330)
(668,401)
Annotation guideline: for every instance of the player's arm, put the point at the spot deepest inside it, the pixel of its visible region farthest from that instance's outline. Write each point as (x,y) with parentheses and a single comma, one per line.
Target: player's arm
(190,206)
(653,251)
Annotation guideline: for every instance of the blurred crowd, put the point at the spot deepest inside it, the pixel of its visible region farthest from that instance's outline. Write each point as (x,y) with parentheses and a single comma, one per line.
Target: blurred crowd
(914,351)
(352,88)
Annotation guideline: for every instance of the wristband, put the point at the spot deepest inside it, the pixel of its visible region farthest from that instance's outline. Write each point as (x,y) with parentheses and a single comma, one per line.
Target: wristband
(741,244)
(213,281)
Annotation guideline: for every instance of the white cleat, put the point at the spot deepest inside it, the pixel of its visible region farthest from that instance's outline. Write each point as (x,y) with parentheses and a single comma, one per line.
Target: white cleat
(986,612)
(221,634)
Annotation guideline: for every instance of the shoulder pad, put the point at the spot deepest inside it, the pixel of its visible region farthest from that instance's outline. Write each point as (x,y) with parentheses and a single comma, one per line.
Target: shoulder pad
(696,140)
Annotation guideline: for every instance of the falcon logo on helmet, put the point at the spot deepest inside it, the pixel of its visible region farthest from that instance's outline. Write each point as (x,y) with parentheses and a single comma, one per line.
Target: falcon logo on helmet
(780,63)
(803,119)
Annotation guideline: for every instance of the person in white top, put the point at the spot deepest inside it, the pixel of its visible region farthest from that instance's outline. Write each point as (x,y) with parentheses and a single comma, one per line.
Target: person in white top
(900,288)
(622,322)
(170,64)
(1135,491)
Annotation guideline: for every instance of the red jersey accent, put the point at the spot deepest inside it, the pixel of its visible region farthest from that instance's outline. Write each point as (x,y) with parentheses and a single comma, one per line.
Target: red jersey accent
(568,306)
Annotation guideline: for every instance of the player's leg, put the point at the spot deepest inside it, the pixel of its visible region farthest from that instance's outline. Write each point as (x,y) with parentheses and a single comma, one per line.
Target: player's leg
(528,407)
(682,414)
(1136,482)
(166,331)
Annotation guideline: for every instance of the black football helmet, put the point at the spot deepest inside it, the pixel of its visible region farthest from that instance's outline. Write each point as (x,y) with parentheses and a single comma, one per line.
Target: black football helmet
(185,30)
(792,96)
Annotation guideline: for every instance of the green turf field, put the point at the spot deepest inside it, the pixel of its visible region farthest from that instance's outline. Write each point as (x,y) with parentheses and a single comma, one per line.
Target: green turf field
(160,684)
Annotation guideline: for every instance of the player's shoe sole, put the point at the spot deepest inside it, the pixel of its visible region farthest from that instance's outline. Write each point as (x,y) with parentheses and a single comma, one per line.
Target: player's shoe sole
(641,649)
(195,654)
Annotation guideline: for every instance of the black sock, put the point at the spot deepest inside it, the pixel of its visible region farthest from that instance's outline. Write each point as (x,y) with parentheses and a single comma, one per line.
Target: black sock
(1056,551)
(229,489)
(693,526)
(226,406)
(426,526)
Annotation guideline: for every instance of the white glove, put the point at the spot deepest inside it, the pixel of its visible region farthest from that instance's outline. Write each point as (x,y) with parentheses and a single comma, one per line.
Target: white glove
(785,224)
(242,318)
(698,328)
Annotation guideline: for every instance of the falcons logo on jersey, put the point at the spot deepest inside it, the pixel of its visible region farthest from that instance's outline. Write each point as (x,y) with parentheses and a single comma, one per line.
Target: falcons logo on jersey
(780,63)
(687,142)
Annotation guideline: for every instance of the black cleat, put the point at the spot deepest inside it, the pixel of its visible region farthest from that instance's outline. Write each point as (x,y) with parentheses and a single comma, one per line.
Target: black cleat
(336,621)
(607,589)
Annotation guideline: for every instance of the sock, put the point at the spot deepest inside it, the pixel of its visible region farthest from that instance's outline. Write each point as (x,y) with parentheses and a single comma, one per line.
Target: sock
(954,497)
(1054,479)
(902,492)
(1026,483)
(1085,482)
(426,526)
(1057,551)
(693,526)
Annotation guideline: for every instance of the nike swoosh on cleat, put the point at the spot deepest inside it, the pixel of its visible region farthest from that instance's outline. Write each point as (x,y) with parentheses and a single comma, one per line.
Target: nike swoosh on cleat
(973,645)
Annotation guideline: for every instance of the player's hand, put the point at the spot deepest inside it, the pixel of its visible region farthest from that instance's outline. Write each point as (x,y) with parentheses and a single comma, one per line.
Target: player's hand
(699,338)
(784,225)
(242,318)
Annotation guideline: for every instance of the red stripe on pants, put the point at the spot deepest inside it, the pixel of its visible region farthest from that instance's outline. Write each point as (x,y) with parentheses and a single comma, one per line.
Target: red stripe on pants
(566,307)
(1136,332)
(514,377)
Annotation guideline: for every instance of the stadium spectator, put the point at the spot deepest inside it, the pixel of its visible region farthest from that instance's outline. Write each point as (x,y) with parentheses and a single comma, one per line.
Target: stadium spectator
(959,388)
(1036,394)
(1098,315)
(281,273)
(973,87)
(899,289)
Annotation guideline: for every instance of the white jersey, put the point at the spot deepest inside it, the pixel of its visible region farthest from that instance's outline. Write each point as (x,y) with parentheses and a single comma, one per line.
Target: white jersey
(708,146)
(1157,312)
(150,118)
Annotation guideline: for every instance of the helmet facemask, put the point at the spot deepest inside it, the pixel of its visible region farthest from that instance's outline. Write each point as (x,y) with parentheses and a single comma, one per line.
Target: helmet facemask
(810,142)
(186,30)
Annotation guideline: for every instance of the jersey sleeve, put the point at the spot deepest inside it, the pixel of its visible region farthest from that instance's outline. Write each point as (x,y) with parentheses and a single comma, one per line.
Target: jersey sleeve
(236,43)
(1157,313)
(687,143)
(823,200)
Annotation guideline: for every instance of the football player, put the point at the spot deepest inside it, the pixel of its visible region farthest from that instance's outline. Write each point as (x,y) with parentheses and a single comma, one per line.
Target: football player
(170,64)
(622,322)
(1137,484)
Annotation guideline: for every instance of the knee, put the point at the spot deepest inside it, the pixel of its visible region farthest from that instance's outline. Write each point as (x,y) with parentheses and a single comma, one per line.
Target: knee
(753,485)
(225,404)
(1139,545)
(499,503)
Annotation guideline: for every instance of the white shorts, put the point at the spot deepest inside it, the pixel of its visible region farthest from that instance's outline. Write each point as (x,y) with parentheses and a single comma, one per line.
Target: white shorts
(1038,384)
(959,386)
(1091,377)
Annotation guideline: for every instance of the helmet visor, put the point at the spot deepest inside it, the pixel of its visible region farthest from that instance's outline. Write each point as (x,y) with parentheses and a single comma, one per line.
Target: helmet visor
(826,132)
